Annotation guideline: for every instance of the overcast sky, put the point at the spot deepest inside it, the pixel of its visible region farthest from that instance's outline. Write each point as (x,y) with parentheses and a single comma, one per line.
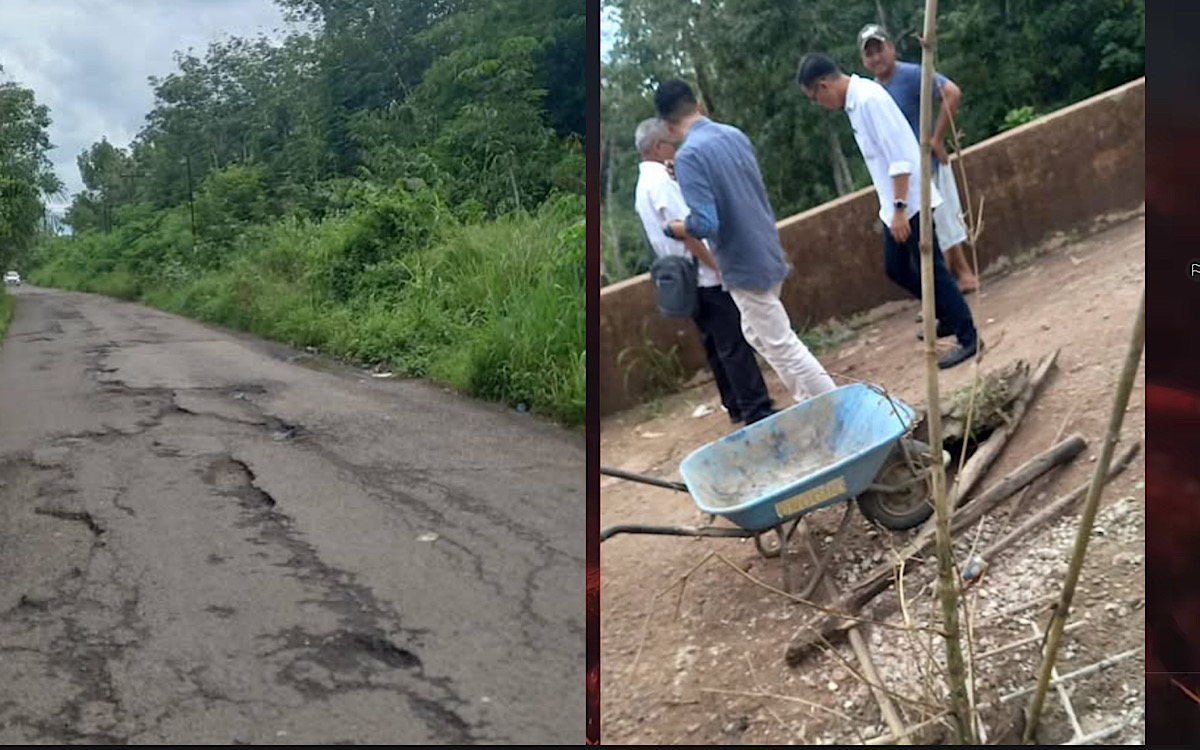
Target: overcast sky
(608,27)
(89,60)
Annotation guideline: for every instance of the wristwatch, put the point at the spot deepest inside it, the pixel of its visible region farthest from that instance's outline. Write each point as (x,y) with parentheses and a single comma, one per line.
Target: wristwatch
(901,205)
(667,230)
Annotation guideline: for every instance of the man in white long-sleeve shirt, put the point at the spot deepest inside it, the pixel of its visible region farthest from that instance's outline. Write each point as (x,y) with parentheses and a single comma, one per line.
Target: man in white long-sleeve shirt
(903,81)
(893,156)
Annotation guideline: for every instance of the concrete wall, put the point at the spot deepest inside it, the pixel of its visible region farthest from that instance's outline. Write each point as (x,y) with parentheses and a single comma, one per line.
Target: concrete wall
(1047,176)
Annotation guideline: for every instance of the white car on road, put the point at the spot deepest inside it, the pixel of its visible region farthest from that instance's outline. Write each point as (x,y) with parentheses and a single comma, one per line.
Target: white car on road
(12,278)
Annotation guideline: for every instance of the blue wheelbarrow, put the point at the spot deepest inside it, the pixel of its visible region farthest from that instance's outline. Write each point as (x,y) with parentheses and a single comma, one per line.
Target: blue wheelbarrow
(851,443)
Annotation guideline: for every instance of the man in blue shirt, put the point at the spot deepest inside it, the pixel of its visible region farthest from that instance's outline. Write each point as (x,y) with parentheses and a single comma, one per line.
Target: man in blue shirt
(903,81)
(721,183)
(730,357)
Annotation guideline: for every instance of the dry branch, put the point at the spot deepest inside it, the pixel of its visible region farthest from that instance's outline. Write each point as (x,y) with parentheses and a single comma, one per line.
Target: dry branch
(1083,535)
(995,393)
(881,578)
(862,652)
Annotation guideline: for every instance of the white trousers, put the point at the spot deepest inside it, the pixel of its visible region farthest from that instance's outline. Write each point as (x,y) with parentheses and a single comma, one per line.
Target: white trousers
(947,219)
(767,328)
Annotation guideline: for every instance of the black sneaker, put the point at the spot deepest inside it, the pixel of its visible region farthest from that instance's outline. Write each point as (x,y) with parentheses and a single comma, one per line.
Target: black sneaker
(959,354)
(761,416)
(943,331)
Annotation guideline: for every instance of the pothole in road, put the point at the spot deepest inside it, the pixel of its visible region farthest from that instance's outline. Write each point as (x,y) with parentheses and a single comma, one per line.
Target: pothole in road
(281,430)
(243,392)
(233,477)
(223,612)
(343,651)
(360,653)
(352,655)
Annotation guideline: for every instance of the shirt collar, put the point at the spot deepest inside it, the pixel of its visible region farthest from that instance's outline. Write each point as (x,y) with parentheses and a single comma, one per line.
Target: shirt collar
(852,92)
(699,123)
(654,168)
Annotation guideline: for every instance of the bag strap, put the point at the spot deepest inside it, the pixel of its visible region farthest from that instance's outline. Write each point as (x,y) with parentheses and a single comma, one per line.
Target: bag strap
(653,256)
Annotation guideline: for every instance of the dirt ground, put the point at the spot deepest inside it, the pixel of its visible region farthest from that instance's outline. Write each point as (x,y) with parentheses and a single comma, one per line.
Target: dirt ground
(704,663)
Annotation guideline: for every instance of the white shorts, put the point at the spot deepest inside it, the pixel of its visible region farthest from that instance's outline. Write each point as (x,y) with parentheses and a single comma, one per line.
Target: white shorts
(947,221)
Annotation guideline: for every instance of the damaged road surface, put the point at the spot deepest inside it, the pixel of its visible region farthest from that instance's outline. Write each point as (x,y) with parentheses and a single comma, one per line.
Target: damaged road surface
(204,539)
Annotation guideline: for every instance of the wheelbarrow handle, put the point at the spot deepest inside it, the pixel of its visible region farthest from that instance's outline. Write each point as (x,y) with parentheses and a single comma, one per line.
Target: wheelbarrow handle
(612,531)
(677,486)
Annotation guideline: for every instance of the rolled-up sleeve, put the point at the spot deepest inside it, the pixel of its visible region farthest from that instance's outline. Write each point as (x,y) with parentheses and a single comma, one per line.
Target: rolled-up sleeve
(939,82)
(702,221)
(886,125)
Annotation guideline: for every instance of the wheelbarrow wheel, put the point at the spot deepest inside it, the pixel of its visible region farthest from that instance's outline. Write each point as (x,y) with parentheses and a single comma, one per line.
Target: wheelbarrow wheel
(904,509)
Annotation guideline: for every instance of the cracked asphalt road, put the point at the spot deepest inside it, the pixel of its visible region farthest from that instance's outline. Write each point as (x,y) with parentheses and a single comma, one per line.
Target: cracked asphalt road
(206,538)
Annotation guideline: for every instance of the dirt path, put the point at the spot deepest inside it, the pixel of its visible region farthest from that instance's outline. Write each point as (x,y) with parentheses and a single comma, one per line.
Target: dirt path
(206,539)
(730,635)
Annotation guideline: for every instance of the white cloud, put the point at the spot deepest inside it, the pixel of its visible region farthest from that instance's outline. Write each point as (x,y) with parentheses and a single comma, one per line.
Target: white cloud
(608,30)
(89,60)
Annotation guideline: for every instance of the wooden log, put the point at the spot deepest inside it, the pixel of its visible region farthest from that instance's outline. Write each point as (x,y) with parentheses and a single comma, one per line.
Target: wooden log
(881,577)
(862,652)
(1059,506)
(1021,477)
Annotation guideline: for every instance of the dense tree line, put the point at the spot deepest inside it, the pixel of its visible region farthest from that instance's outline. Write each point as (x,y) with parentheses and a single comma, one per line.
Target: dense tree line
(27,177)
(482,100)
(1013,59)
(398,182)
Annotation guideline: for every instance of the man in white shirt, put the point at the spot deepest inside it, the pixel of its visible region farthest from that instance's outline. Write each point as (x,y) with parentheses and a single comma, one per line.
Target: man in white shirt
(658,201)
(893,157)
(903,81)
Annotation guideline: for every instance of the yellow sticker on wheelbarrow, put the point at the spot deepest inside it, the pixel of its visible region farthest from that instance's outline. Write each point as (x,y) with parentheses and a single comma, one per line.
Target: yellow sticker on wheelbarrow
(815,496)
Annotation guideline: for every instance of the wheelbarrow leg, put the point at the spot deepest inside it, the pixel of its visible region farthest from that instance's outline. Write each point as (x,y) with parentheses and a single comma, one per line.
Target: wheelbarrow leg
(784,557)
(822,563)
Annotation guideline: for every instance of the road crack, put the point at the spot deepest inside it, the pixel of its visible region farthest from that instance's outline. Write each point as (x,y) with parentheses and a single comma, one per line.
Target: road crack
(364,621)
(82,516)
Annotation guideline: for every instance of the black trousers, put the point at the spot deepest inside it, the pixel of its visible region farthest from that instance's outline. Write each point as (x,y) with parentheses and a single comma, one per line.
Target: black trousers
(902,264)
(739,381)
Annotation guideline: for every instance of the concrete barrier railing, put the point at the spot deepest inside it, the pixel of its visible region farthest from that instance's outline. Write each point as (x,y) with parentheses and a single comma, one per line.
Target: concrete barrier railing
(1047,176)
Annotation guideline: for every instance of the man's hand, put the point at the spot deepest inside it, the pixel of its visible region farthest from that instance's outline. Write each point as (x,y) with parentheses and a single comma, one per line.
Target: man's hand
(939,150)
(702,253)
(900,229)
(670,165)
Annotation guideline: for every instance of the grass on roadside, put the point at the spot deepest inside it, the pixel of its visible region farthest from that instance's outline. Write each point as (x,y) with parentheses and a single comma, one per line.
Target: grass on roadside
(496,310)
(7,303)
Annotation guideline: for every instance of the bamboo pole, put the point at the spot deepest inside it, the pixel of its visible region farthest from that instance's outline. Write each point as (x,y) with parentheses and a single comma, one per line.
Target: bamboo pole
(1088,517)
(948,591)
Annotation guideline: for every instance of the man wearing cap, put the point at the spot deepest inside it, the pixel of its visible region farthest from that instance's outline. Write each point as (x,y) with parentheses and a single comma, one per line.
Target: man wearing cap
(722,185)
(903,81)
(659,200)
(892,155)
